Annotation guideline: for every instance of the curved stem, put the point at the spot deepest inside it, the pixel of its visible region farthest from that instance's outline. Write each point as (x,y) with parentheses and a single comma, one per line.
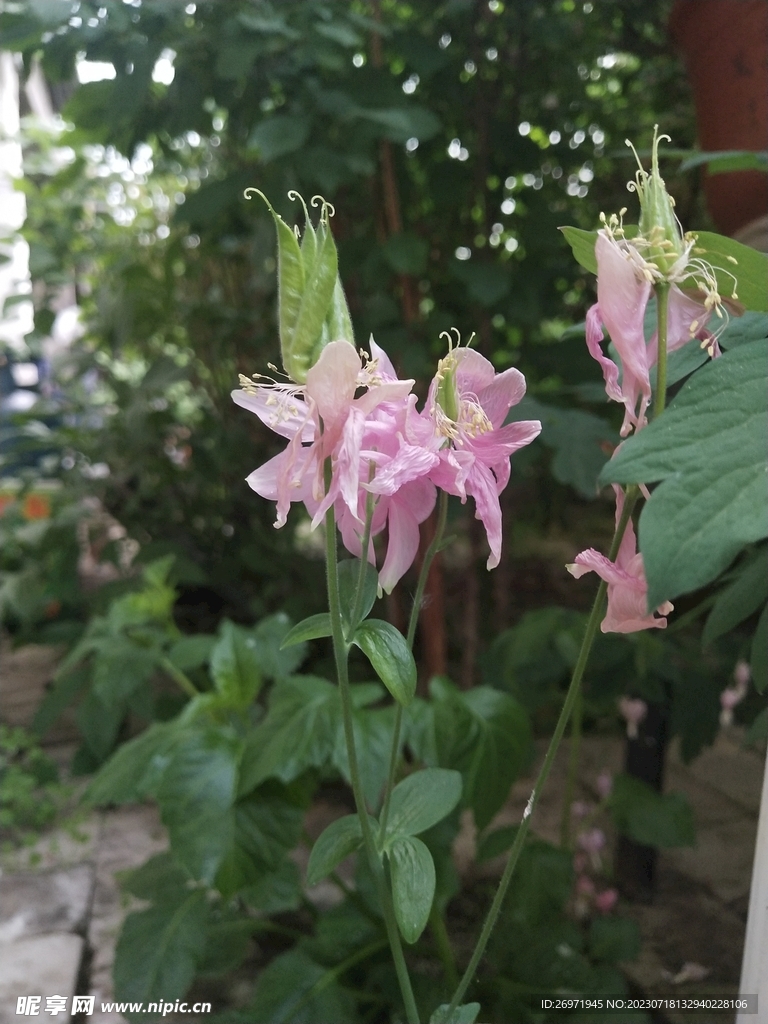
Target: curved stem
(418,597)
(341,652)
(570,699)
(662,304)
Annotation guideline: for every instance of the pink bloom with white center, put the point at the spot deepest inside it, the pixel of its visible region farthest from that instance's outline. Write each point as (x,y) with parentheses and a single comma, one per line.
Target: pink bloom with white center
(468,403)
(623,289)
(627,585)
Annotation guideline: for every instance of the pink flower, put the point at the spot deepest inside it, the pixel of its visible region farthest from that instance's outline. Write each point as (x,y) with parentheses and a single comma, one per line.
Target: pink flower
(627,586)
(606,900)
(624,287)
(327,422)
(468,402)
(633,710)
(593,841)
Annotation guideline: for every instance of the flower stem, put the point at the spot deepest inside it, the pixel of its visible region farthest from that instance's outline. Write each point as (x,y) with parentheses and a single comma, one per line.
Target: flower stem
(573,770)
(570,699)
(341,652)
(180,678)
(444,948)
(418,597)
(662,304)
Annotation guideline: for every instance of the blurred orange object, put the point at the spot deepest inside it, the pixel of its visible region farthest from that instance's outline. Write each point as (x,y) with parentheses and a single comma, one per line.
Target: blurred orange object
(36,504)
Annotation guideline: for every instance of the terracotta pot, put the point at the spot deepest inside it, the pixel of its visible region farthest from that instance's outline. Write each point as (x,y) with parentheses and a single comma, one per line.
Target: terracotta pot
(725,43)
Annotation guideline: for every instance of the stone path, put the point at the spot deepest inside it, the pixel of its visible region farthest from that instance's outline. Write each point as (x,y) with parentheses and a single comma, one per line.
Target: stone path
(61,908)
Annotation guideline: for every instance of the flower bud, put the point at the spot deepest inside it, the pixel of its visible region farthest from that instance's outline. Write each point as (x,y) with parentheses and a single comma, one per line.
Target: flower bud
(659,227)
(447,393)
(312,308)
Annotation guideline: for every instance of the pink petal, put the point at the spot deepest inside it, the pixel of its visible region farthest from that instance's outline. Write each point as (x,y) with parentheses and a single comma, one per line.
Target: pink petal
(474,372)
(622,296)
(284,413)
(332,381)
(500,395)
(409,464)
(386,369)
(482,486)
(610,369)
(402,546)
(683,311)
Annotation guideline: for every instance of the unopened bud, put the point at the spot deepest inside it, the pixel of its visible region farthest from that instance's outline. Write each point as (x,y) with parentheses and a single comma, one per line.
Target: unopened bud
(659,228)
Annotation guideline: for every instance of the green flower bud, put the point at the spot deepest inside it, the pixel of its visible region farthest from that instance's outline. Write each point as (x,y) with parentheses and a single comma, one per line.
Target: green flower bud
(659,227)
(447,395)
(312,308)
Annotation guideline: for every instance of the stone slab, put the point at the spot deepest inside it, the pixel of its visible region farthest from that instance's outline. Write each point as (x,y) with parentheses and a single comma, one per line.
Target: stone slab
(43,965)
(731,769)
(40,903)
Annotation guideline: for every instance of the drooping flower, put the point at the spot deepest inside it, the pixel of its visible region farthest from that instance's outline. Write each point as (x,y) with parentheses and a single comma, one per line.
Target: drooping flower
(629,268)
(627,586)
(468,403)
(733,695)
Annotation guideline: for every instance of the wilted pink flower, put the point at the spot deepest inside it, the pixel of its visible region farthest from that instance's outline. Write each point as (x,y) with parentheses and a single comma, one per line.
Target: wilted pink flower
(468,403)
(627,587)
(742,674)
(580,809)
(633,710)
(606,900)
(585,886)
(624,287)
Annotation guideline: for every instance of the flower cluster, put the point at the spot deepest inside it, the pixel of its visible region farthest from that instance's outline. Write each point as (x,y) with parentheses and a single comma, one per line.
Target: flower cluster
(355,437)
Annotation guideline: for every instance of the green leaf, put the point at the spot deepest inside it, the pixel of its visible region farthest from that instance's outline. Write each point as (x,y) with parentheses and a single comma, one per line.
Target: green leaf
(279,135)
(582,244)
(750,268)
(372,728)
(58,697)
(709,450)
(421,800)
(268,637)
(312,628)
(336,842)
(159,949)
(120,667)
(725,161)
(759,653)
(196,795)
(750,326)
(739,599)
(157,880)
(349,571)
(298,732)
(191,651)
(291,979)
(235,666)
(406,253)
(466,1014)
(387,651)
(648,817)
(134,769)
(484,734)
(276,892)
(578,438)
(99,723)
(493,844)
(613,939)
(413,885)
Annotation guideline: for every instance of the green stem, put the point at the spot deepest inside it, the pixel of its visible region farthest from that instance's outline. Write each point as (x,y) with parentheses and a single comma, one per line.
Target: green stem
(179,677)
(444,948)
(573,770)
(418,597)
(570,699)
(662,303)
(341,652)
